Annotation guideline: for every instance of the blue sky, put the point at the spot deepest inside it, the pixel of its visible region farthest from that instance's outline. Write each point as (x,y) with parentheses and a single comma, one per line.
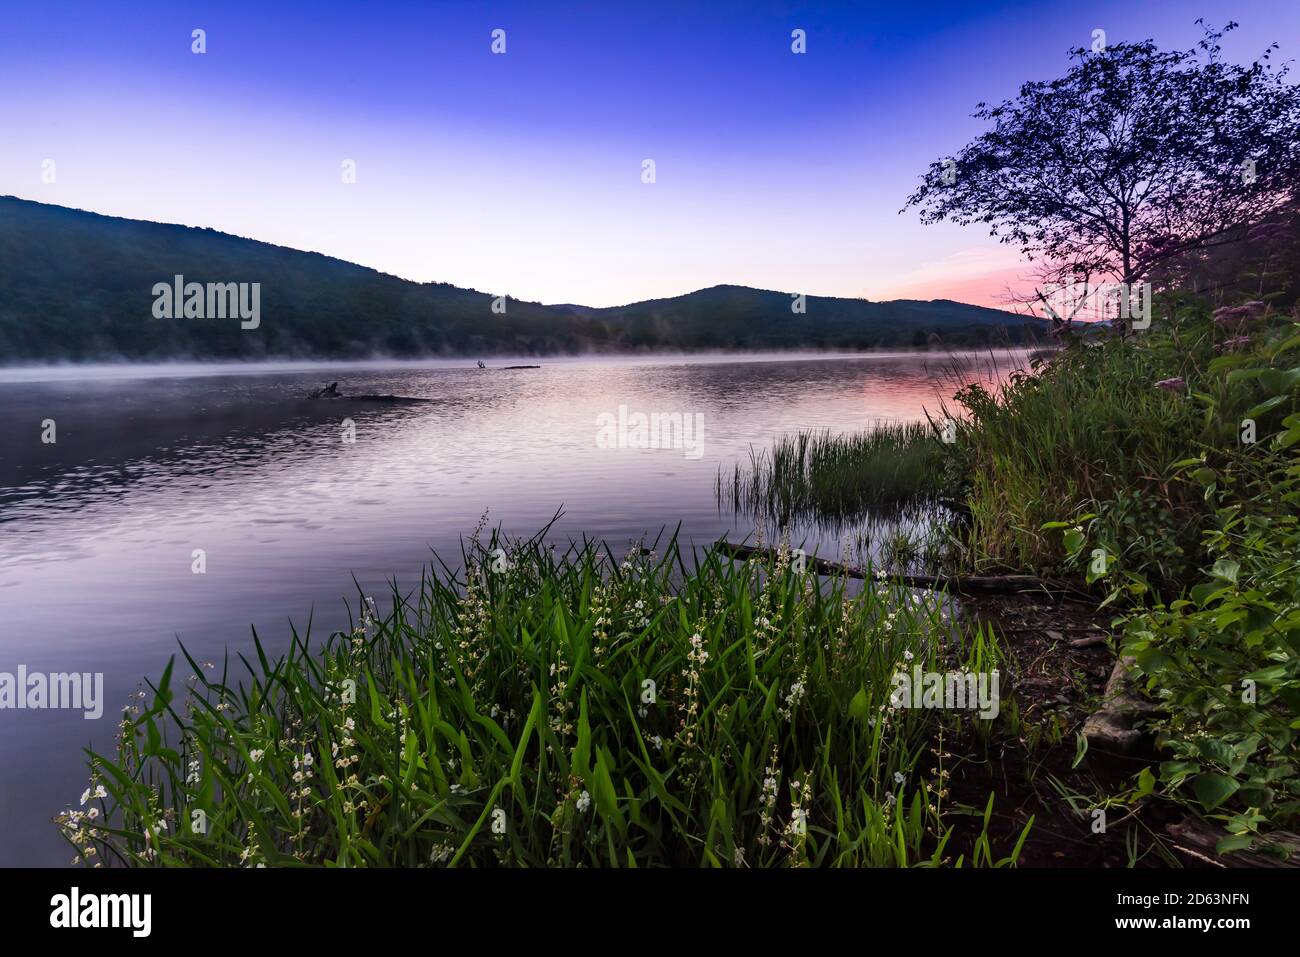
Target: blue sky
(521,173)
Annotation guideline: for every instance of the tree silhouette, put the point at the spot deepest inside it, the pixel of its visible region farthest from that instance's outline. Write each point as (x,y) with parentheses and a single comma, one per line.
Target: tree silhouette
(1132,158)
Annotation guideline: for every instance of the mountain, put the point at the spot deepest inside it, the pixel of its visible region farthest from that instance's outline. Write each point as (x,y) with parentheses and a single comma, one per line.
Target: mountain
(79,286)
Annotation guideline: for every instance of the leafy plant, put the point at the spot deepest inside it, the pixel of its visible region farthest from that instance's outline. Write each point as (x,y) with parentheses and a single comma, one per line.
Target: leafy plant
(543,710)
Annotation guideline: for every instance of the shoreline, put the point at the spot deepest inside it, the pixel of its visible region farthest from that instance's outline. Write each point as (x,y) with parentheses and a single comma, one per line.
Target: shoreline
(132,369)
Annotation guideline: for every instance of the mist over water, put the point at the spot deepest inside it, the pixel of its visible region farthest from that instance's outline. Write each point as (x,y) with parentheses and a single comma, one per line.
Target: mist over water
(98,530)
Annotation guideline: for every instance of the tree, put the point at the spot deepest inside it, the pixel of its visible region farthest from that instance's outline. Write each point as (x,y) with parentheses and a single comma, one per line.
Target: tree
(1134,157)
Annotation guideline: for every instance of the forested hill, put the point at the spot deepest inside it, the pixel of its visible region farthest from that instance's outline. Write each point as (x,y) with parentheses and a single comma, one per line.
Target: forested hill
(79,286)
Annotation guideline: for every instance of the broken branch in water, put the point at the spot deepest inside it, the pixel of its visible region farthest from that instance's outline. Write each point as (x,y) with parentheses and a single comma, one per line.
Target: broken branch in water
(956,584)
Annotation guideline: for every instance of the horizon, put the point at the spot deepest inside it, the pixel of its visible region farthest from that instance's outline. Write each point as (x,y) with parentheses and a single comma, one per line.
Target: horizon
(434,282)
(519,175)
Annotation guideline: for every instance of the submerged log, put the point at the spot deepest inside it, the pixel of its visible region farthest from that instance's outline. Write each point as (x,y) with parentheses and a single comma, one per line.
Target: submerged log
(331,391)
(394,399)
(956,584)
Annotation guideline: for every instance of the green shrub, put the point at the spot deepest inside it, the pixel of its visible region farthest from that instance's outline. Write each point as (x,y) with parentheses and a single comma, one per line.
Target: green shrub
(1224,659)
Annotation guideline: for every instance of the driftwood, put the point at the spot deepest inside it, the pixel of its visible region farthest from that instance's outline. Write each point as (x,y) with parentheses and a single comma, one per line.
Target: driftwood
(1089,640)
(1198,840)
(392,399)
(331,391)
(956,584)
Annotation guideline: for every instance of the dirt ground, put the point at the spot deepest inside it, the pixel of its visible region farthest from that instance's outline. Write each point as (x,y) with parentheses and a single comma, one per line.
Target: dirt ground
(1059,655)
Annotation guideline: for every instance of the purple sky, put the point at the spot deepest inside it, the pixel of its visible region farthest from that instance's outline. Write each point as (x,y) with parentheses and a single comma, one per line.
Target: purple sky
(521,173)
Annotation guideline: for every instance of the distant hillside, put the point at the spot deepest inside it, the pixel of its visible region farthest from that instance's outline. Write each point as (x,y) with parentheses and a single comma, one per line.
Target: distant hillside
(79,286)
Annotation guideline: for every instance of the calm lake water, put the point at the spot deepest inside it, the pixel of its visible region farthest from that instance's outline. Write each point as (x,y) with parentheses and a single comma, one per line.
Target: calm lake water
(98,529)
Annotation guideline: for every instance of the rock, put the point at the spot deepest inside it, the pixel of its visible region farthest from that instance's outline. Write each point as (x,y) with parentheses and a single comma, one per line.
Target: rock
(1113,726)
(1110,731)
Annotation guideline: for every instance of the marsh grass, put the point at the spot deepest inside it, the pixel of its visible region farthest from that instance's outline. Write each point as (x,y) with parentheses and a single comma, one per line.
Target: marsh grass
(1043,444)
(575,710)
(893,469)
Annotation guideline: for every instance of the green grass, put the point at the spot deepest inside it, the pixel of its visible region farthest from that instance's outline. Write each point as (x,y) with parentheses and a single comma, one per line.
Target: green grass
(1090,426)
(507,718)
(889,470)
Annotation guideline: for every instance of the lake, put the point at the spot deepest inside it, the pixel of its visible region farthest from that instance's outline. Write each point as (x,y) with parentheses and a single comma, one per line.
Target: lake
(192,504)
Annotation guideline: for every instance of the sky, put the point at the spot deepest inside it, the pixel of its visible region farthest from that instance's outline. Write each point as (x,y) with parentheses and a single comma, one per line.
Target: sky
(521,173)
